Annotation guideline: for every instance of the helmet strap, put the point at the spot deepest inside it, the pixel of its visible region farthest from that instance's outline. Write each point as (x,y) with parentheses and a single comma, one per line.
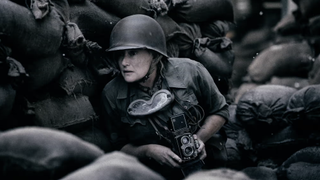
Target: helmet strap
(153,66)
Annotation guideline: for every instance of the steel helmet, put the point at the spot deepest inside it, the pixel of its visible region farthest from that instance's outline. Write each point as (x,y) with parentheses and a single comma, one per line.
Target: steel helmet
(138,31)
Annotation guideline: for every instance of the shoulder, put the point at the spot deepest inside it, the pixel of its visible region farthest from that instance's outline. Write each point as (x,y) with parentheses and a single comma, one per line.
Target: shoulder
(184,64)
(114,86)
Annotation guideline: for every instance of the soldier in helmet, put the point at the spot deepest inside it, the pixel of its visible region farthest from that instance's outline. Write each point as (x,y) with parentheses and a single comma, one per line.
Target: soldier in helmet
(165,111)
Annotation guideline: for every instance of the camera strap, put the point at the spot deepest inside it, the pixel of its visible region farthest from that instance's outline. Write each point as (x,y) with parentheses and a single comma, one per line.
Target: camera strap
(157,131)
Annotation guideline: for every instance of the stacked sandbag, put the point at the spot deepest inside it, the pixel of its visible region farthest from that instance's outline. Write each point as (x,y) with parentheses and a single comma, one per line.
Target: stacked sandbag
(55,73)
(94,22)
(314,74)
(207,44)
(43,153)
(116,166)
(294,82)
(303,164)
(266,133)
(27,36)
(260,109)
(285,59)
(235,143)
(303,110)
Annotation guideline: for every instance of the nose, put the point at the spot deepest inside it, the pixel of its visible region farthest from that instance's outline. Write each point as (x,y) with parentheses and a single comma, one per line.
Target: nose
(124,61)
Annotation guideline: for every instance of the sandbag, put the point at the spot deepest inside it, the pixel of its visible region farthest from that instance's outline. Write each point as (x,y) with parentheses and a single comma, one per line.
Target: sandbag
(288,25)
(215,29)
(282,144)
(116,166)
(314,26)
(233,124)
(303,170)
(305,159)
(73,45)
(42,153)
(123,8)
(294,82)
(308,8)
(7,98)
(261,173)
(287,59)
(95,136)
(41,8)
(76,80)
(235,160)
(261,109)
(196,11)
(190,32)
(303,109)
(314,73)
(219,174)
(169,26)
(27,36)
(95,23)
(215,54)
(71,113)
(42,71)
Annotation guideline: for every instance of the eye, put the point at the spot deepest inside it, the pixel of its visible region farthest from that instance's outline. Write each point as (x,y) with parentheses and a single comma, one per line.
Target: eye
(132,52)
(118,55)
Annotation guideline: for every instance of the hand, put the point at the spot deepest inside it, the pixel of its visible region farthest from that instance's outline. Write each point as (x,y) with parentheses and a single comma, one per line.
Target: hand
(200,147)
(163,155)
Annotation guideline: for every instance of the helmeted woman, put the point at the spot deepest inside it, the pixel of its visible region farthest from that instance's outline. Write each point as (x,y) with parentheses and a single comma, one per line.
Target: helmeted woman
(164,111)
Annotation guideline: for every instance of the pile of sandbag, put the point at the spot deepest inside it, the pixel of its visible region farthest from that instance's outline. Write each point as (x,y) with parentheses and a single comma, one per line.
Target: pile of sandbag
(51,73)
(289,58)
(270,124)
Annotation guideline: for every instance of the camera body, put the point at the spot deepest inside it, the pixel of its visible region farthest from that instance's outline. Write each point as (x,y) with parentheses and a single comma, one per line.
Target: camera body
(182,140)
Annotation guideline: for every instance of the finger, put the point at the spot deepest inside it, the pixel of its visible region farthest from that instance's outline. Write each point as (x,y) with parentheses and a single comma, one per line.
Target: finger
(203,154)
(201,146)
(172,162)
(175,157)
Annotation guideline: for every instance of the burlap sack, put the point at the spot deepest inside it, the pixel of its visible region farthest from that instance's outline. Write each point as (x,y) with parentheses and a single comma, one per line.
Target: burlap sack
(123,8)
(196,11)
(27,36)
(303,164)
(94,22)
(219,174)
(42,71)
(7,97)
(303,109)
(308,8)
(76,80)
(70,113)
(287,59)
(261,109)
(115,166)
(314,73)
(41,153)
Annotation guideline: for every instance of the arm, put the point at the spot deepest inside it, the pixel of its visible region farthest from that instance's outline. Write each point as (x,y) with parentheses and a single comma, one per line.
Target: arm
(211,125)
(161,154)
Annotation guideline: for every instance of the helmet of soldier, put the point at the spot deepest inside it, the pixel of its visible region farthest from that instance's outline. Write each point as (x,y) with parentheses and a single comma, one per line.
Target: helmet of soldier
(138,31)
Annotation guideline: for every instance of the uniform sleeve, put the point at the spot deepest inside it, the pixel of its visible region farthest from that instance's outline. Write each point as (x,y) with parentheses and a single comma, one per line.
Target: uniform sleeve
(210,97)
(111,116)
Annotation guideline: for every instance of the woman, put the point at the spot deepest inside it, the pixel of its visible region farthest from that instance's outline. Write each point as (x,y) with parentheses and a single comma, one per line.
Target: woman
(145,107)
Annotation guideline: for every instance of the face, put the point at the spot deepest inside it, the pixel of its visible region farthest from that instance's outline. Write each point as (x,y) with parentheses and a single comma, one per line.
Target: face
(134,64)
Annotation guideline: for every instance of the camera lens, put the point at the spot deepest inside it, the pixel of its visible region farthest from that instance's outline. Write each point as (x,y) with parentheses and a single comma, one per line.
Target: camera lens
(188,151)
(185,140)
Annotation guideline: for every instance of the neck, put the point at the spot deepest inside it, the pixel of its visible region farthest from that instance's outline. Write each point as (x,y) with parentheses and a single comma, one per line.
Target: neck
(150,81)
